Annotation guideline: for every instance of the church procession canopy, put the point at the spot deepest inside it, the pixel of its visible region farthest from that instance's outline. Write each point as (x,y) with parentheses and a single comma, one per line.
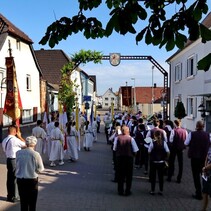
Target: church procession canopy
(119,57)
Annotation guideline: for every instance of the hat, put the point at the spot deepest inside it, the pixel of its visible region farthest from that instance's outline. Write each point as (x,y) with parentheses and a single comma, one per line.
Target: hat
(31,140)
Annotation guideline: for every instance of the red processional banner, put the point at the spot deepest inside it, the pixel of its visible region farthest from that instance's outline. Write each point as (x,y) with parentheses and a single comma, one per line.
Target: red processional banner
(126,95)
(13,104)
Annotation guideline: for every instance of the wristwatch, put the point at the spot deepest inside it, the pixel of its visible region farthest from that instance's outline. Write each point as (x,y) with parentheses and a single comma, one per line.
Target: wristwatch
(115,59)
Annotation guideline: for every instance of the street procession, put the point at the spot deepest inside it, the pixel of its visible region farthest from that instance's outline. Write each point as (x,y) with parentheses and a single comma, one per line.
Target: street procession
(124,125)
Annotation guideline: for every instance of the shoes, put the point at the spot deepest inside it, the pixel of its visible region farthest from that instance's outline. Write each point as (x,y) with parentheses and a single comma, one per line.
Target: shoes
(178,181)
(128,193)
(198,197)
(121,193)
(160,193)
(152,193)
(71,160)
(13,199)
(85,149)
(61,163)
(52,164)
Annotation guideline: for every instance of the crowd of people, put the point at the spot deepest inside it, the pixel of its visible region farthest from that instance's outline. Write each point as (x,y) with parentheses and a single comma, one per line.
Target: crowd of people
(155,148)
(25,156)
(134,143)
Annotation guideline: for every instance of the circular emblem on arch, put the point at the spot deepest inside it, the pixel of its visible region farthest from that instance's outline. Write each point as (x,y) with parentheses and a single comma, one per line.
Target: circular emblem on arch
(115,58)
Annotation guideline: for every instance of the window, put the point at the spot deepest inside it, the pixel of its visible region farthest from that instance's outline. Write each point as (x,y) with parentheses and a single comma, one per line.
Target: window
(106,98)
(112,98)
(178,72)
(190,66)
(28,82)
(106,104)
(191,107)
(27,116)
(18,44)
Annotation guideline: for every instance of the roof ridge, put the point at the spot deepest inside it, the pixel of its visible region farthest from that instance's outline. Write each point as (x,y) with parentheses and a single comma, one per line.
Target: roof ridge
(14,30)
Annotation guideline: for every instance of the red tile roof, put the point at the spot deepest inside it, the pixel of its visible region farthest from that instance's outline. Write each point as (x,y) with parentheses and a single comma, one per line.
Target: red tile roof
(11,29)
(144,94)
(51,62)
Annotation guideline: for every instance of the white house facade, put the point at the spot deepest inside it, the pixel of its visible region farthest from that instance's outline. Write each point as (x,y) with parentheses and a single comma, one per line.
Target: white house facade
(190,85)
(28,75)
(108,98)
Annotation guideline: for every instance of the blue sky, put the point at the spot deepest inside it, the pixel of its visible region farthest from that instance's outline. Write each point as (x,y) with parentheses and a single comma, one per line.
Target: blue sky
(34,16)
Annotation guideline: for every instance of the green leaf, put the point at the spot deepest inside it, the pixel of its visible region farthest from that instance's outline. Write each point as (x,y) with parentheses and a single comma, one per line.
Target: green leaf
(204,64)
(140,35)
(52,41)
(180,40)
(170,45)
(205,33)
(148,37)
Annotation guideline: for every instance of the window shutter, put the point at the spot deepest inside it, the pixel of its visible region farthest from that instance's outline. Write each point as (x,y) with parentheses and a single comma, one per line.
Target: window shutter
(195,64)
(180,71)
(194,107)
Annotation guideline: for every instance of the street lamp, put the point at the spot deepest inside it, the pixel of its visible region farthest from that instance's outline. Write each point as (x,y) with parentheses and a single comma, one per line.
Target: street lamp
(134,94)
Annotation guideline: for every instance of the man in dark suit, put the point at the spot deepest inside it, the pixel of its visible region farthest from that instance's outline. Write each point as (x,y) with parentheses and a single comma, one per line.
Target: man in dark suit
(198,142)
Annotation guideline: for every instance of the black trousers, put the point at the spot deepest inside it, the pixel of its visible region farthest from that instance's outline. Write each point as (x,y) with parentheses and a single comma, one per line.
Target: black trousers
(107,134)
(12,191)
(28,190)
(98,127)
(173,154)
(124,172)
(196,167)
(156,168)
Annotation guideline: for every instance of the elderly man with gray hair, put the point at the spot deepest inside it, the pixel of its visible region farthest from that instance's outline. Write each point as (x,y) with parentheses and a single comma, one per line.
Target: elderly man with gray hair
(28,164)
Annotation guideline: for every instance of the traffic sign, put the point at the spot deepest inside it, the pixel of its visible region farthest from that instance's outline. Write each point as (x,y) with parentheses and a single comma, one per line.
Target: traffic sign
(87,98)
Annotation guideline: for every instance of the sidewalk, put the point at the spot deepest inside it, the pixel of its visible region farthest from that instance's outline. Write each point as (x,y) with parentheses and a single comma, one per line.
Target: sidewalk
(86,185)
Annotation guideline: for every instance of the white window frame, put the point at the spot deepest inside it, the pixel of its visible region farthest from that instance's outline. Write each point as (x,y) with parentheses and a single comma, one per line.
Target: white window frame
(178,72)
(27,116)
(28,82)
(18,44)
(106,98)
(191,107)
(192,66)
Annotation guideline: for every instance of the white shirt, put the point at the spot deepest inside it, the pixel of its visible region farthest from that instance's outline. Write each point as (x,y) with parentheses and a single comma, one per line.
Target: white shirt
(98,119)
(163,131)
(165,147)
(11,144)
(187,141)
(171,138)
(133,143)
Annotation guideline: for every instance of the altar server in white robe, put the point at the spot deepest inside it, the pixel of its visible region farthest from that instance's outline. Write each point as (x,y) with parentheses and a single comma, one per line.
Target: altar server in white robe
(88,137)
(40,134)
(72,146)
(50,126)
(57,141)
